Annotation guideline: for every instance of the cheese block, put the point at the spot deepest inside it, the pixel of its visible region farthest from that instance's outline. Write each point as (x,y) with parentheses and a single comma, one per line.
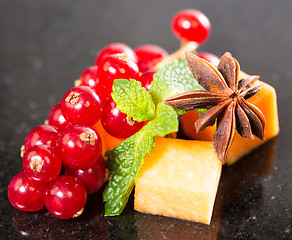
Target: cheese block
(179,179)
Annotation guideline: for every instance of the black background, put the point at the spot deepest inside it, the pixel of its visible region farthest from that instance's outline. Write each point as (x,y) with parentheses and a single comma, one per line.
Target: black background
(45,45)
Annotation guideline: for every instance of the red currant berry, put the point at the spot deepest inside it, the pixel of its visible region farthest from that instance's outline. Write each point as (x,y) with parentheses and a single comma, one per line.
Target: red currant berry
(113,49)
(65,197)
(146,78)
(116,66)
(42,163)
(79,146)
(210,57)
(56,118)
(148,55)
(191,25)
(116,123)
(25,194)
(42,134)
(92,178)
(89,77)
(81,105)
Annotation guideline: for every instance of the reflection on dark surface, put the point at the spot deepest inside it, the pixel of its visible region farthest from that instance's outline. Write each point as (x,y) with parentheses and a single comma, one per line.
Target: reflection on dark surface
(238,210)
(239,199)
(242,191)
(159,227)
(250,169)
(41,225)
(123,226)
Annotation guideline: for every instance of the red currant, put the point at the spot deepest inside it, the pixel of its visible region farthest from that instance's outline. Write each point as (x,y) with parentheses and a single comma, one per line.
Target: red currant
(42,163)
(92,178)
(79,146)
(56,118)
(113,49)
(81,105)
(65,197)
(210,57)
(25,194)
(117,123)
(146,78)
(148,55)
(191,25)
(116,66)
(89,77)
(42,134)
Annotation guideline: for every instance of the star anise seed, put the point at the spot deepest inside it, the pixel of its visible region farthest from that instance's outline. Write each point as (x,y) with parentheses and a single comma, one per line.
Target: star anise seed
(225,98)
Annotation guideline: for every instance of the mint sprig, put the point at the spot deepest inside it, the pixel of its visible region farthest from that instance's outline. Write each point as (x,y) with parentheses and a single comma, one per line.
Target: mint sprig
(126,159)
(132,99)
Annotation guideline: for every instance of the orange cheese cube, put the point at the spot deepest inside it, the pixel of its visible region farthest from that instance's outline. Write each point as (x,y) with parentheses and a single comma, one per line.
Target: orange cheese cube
(179,179)
(265,100)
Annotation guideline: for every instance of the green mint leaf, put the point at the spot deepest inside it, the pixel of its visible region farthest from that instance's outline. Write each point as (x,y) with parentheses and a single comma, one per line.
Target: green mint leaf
(172,79)
(126,159)
(134,100)
(202,110)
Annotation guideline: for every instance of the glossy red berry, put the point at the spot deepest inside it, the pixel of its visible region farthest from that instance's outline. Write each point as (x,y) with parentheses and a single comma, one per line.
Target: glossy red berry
(210,57)
(56,118)
(79,146)
(116,66)
(92,178)
(116,123)
(113,49)
(65,197)
(25,194)
(148,55)
(191,25)
(81,105)
(146,78)
(42,163)
(42,134)
(89,77)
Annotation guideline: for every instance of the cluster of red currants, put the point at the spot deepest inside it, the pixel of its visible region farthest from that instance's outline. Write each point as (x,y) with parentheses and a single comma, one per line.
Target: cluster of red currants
(69,137)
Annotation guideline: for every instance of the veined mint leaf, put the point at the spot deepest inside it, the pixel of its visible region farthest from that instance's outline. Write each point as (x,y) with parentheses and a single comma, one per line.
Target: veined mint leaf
(172,79)
(134,100)
(164,123)
(126,159)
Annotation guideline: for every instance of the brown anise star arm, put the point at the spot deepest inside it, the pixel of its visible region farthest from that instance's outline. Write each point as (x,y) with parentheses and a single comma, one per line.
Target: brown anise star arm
(195,99)
(225,131)
(255,116)
(208,118)
(206,74)
(246,82)
(243,126)
(250,91)
(229,68)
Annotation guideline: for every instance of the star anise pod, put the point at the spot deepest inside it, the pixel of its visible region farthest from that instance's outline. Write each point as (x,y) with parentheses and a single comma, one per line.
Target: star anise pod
(225,98)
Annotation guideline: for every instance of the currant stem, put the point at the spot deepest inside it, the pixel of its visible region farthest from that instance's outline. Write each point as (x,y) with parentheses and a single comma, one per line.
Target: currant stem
(179,54)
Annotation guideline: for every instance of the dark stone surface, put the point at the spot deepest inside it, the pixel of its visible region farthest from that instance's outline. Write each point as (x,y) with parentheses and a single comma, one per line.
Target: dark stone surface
(45,45)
